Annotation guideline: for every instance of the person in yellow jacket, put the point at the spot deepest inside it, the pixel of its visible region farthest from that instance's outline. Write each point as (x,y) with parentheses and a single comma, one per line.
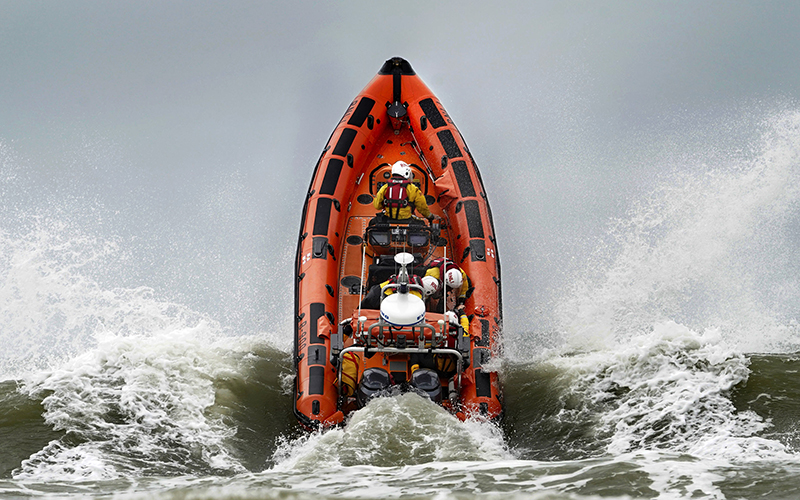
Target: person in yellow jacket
(456,284)
(454,278)
(399,196)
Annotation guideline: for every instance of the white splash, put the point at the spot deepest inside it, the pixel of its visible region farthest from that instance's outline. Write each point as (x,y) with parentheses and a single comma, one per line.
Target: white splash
(709,248)
(50,307)
(403,429)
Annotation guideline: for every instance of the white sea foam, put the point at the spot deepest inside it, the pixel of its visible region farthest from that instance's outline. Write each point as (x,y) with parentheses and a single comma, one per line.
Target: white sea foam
(51,309)
(133,404)
(669,390)
(403,429)
(657,329)
(447,480)
(127,376)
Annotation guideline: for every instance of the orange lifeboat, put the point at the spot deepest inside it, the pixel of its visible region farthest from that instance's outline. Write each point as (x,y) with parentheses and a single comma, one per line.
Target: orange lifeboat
(346,351)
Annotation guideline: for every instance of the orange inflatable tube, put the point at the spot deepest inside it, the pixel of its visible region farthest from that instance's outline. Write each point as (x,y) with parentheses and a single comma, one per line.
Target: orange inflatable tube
(342,253)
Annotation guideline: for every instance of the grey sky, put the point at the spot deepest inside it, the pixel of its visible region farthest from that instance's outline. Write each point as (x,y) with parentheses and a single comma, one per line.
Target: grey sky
(196,124)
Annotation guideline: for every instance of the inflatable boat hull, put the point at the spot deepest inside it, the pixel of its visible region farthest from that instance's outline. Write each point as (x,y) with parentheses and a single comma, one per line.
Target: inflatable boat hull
(395,117)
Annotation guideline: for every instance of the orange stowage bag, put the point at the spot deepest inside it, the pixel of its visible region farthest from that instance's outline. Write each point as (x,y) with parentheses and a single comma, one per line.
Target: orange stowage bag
(446,187)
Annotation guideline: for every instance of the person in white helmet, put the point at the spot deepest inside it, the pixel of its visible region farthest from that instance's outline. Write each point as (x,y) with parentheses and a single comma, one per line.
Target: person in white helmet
(456,285)
(430,285)
(453,277)
(432,292)
(399,196)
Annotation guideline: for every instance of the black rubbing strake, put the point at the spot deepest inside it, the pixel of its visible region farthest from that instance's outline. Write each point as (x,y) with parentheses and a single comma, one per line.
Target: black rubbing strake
(449,144)
(316,380)
(361,112)
(316,311)
(331,176)
(483,384)
(432,112)
(317,355)
(474,222)
(485,333)
(344,142)
(480,357)
(322,216)
(463,178)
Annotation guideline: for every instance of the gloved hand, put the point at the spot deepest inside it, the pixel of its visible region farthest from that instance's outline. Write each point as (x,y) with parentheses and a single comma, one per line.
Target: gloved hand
(460,309)
(451,318)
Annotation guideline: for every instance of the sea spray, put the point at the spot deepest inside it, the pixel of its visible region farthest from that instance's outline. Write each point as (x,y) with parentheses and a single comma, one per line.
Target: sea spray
(51,307)
(697,251)
(654,333)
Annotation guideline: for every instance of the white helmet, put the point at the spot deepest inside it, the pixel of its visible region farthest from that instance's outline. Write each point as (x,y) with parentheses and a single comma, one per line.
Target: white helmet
(430,285)
(402,169)
(452,278)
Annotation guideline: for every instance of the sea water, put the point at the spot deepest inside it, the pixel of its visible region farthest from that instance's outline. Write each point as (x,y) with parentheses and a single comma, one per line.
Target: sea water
(671,371)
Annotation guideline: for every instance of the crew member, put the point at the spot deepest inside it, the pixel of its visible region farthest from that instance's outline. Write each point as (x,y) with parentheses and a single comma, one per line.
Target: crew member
(456,287)
(398,197)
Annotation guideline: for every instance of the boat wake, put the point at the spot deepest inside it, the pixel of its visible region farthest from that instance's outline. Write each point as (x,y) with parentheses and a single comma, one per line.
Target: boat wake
(395,431)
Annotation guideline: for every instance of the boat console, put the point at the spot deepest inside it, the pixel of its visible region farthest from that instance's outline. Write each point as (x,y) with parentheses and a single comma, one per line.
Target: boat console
(390,236)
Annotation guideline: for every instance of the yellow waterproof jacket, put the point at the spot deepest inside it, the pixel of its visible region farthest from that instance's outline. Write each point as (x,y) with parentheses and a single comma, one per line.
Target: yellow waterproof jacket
(350,363)
(463,320)
(415,199)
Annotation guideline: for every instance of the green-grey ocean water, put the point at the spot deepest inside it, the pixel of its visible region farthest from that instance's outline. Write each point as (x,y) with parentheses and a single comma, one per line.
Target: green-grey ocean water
(559,439)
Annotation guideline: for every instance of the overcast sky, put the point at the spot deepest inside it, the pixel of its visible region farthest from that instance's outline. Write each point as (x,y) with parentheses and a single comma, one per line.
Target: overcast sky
(195,125)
